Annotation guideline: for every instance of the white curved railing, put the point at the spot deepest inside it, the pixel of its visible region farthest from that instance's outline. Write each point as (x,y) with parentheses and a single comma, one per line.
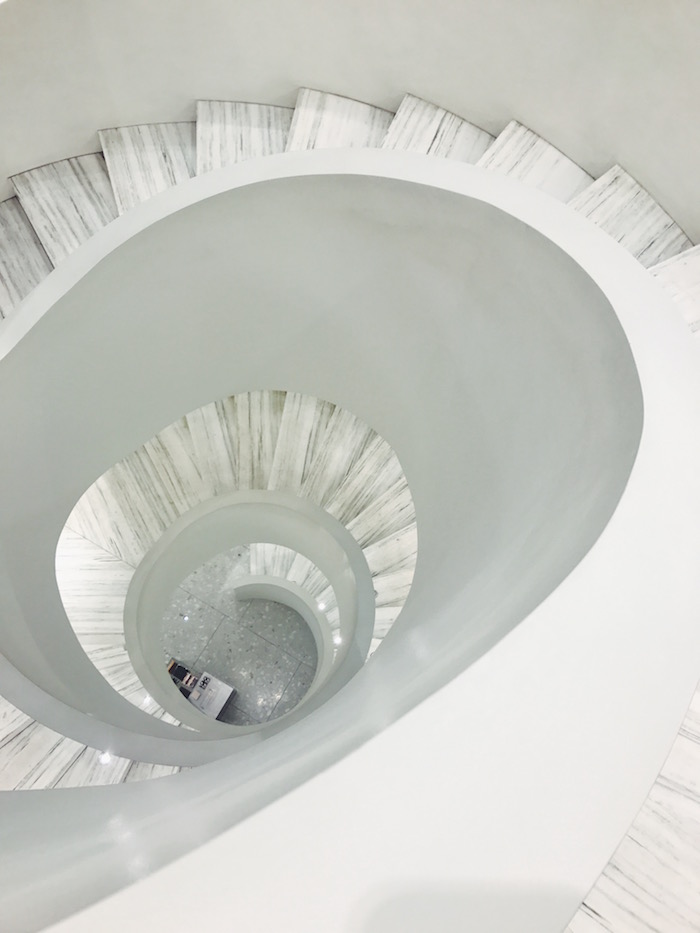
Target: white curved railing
(433,638)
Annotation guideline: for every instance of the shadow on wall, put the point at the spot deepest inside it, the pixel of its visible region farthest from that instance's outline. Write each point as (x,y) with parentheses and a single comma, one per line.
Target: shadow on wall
(457,908)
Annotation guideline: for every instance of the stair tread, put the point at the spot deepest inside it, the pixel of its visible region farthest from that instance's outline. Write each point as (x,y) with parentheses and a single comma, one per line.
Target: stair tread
(680,276)
(420,126)
(23,260)
(328,121)
(233,131)
(144,160)
(521,154)
(35,757)
(67,202)
(627,212)
(388,514)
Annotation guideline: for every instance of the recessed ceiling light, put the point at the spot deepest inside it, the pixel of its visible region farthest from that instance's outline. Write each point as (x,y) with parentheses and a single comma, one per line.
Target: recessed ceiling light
(105,758)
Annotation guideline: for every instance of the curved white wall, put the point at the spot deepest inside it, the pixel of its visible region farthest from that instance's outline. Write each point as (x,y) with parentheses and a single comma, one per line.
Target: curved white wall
(515,490)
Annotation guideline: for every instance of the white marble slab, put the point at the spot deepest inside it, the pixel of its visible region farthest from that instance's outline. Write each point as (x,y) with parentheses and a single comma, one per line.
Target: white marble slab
(144,160)
(12,720)
(525,156)
(35,757)
(652,881)
(620,206)
(303,423)
(390,512)
(93,584)
(395,552)
(67,202)
(143,771)
(328,121)
(23,260)
(253,420)
(233,131)
(337,453)
(376,471)
(423,127)
(680,276)
(91,768)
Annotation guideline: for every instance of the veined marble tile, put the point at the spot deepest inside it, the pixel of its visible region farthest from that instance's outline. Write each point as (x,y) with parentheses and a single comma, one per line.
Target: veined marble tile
(376,471)
(143,771)
(144,160)
(23,260)
(233,131)
(328,121)
(339,448)
(651,882)
(392,588)
(35,757)
(67,202)
(12,720)
(254,422)
(384,618)
(90,769)
(302,425)
(423,127)
(522,154)
(390,512)
(212,448)
(395,552)
(680,276)
(620,206)
(93,585)
(271,560)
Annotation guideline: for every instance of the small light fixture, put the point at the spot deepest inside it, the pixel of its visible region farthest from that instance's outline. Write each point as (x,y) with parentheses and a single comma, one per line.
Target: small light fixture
(105,758)
(185,618)
(337,639)
(321,606)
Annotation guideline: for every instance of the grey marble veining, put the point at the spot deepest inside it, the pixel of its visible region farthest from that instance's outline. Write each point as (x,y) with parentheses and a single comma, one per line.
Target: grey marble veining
(390,512)
(423,127)
(337,452)
(233,131)
(23,260)
(144,160)
(93,584)
(67,202)
(259,440)
(143,771)
(303,421)
(376,471)
(620,206)
(34,757)
(394,553)
(651,882)
(328,121)
(12,720)
(37,757)
(525,156)
(680,276)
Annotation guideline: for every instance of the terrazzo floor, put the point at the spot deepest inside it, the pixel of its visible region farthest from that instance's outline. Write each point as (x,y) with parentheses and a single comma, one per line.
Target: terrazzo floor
(262,648)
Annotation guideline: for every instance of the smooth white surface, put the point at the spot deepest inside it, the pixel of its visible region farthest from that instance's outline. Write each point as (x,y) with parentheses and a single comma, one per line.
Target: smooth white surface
(241,518)
(594,248)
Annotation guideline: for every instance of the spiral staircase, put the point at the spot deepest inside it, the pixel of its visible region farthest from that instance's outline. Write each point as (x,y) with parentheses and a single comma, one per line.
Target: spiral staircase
(62,210)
